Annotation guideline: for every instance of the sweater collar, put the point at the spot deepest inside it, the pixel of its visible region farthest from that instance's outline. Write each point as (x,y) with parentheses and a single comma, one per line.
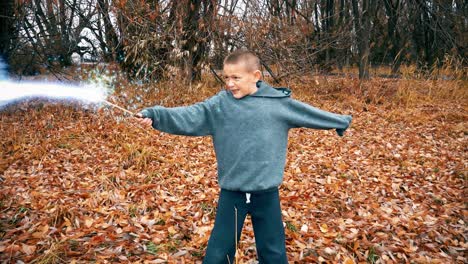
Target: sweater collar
(265,90)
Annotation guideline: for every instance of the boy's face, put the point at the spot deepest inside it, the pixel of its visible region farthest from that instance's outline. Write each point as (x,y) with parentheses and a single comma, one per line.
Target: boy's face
(240,80)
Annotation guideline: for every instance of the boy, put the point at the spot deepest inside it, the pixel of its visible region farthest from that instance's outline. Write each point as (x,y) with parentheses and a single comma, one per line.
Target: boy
(249,123)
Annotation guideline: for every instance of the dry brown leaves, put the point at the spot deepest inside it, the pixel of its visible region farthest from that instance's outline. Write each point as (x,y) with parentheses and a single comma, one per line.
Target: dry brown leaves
(80,186)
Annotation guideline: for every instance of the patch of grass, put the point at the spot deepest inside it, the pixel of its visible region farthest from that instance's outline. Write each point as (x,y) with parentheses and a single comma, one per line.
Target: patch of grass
(73,136)
(136,156)
(151,176)
(438,200)
(291,226)
(52,255)
(63,145)
(151,248)
(204,206)
(22,210)
(172,247)
(208,208)
(160,222)
(132,211)
(73,244)
(198,253)
(372,256)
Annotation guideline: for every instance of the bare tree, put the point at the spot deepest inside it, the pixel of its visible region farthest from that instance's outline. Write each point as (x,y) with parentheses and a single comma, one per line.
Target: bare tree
(110,44)
(393,11)
(363,12)
(154,39)
(168,37)
(197,22)
(54,27)
(7,20)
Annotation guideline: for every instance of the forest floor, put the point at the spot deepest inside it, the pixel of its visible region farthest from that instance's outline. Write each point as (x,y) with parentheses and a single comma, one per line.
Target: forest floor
(80,185)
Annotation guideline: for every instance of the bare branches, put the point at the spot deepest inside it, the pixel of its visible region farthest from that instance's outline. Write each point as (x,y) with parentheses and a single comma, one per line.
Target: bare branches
(181,39)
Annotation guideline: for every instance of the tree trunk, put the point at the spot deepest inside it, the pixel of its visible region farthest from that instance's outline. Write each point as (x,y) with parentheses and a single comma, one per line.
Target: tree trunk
(362,24)
(421,35)
(198,20)
(66,49)
(392,9)
(111,39)
(330,29)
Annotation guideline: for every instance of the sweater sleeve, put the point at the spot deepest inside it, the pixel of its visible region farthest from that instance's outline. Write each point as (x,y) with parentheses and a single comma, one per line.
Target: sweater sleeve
(300,114)
(193,120)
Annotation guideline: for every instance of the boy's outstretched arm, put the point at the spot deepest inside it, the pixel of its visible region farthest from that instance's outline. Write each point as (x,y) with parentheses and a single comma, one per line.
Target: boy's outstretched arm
(300,114)
(193,120)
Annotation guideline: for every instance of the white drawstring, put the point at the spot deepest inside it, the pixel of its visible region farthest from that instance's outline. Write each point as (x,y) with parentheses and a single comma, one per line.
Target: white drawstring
(247,196)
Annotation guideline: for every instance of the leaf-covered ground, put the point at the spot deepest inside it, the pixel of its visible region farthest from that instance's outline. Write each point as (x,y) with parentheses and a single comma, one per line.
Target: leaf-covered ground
(79,185)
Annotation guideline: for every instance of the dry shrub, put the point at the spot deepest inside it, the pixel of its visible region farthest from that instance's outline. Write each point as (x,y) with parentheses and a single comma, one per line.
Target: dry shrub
(350,92)
(417,92)
(345,89)
(391,92)
(139,157)
(450,68)
(55,254)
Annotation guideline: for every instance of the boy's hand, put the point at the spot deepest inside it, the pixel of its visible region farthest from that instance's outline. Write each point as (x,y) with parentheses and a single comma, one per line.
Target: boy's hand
(143,120)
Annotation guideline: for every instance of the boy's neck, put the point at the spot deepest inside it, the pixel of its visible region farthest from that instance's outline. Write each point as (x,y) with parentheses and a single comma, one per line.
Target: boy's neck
(254,89)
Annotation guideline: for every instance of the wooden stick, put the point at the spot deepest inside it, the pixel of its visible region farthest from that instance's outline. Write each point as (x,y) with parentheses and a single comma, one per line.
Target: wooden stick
(119,107)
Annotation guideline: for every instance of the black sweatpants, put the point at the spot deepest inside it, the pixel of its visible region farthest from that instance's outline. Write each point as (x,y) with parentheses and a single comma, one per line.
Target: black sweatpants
(265,211)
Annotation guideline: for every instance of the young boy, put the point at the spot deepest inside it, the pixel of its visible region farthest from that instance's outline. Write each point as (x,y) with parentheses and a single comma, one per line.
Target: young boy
(249,124)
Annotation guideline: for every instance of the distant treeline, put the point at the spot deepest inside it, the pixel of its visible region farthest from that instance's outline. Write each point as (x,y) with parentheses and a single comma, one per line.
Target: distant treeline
(154,39)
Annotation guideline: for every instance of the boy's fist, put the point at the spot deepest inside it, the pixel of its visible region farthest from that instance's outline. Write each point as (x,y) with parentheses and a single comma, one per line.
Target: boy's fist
(145,121)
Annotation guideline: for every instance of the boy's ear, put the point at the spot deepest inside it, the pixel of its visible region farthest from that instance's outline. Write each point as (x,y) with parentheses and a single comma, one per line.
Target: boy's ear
(258,74)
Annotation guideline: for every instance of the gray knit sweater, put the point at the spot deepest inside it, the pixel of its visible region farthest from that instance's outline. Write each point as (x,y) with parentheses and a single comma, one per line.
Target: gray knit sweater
(250,134)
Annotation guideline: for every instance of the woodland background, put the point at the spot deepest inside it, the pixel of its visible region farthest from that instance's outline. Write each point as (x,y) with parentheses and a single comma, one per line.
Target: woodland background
(84,183)
(153,39)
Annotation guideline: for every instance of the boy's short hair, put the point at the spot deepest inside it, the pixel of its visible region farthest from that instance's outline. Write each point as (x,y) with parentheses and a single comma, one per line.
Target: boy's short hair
(251,60)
